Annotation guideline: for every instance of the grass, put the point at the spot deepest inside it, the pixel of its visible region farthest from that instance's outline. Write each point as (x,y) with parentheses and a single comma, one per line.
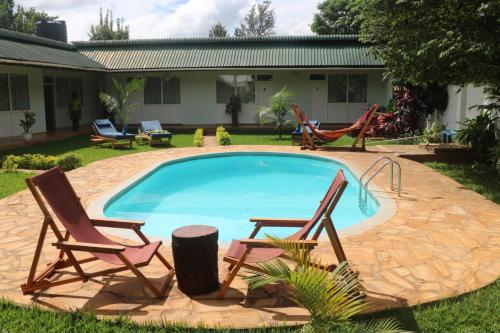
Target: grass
(474,312)
(486,183)
(273,140)
(11,183)
(81,145)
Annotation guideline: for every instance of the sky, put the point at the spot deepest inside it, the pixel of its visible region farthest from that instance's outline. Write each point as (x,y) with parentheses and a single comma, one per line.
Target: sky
(174,18)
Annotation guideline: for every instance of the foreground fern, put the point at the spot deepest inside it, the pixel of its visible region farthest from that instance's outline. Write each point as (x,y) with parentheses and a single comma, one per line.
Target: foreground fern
(332,298)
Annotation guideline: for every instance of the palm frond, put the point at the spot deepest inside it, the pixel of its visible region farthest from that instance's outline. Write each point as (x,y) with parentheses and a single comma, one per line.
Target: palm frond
(386,325)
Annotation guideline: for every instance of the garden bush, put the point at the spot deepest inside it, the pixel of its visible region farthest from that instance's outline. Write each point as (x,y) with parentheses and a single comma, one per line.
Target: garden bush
(198,137)
(9,164)
(66,162)
(222,136)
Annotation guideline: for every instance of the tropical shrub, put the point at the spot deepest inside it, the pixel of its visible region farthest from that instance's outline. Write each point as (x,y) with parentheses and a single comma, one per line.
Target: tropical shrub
(69,161)
(480,134)
(278,110)
(9,164)
(222,136)
(332,298)
(198,137)
(66,162)
(434,133)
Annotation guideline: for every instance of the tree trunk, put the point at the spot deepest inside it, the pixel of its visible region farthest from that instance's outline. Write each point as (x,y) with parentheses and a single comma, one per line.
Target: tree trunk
(234,118)
(195,251)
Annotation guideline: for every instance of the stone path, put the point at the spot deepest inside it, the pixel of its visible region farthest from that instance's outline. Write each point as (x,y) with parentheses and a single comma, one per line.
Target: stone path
(443,240)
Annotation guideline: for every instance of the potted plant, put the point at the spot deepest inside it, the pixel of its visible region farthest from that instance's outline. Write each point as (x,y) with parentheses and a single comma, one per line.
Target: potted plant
(27,123)
(233,107)
(277,113)
(118,104)
(75,111)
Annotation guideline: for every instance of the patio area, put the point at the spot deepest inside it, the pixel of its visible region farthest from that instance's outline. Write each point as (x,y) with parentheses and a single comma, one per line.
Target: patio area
(441,241)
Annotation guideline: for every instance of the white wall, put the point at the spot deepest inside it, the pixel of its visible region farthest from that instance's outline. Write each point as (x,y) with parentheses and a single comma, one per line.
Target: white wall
(198,97)
(9,120)
(460,102)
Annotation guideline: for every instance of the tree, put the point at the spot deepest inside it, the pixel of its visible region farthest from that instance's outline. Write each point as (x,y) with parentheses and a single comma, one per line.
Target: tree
(21,19)
(335,17)
(118,103)
(277,113)
(445,42)
(218,30)
(105,30)
(259,21)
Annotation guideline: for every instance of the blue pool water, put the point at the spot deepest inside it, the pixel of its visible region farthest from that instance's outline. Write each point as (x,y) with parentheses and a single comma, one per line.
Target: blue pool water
(224,190)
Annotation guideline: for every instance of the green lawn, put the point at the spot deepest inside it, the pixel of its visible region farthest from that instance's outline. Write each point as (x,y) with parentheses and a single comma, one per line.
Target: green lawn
(11,183)
(475,312)
(272,139)
(81,145)
(486,184)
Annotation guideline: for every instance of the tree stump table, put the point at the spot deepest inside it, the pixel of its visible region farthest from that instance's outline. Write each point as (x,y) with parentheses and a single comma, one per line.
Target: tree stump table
(195,251)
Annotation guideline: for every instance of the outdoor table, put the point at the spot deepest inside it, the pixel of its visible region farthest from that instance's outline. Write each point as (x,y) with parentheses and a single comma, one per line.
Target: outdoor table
(195,252)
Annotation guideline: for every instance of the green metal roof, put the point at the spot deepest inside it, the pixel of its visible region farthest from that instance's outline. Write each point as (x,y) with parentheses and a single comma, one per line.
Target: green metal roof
(19,48)
(230,52)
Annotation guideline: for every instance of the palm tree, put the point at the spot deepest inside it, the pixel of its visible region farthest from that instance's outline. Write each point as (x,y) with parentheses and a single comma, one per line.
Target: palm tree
(118,102)
(277,113)
(332,298)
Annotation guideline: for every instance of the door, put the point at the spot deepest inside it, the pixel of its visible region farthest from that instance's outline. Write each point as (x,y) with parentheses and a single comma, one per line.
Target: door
(264,91)
(319,100)
(50,117)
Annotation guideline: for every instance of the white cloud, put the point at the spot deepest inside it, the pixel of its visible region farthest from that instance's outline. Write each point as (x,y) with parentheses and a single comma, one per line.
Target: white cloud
(174,18)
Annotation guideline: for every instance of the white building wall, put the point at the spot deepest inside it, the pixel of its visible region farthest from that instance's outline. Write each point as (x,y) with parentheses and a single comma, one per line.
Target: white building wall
(9,120)
(460,101)
(198,96)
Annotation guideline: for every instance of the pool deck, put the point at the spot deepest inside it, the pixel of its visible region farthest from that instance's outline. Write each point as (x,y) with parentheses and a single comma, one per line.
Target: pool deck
(442,240)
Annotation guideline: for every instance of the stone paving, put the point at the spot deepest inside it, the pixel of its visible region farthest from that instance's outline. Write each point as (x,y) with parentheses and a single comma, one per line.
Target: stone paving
(443,240)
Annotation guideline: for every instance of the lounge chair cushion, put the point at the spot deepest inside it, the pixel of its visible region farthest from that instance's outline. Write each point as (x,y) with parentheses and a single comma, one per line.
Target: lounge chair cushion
(236,250)
(298,129)
(153,129)
(106,129)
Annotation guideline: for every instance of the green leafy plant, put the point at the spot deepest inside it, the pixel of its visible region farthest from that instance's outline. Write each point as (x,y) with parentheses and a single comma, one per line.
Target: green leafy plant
(278,111)
(198,137)
(118,102)
(332,298)
(434,133)
(69,161)
(233,107)
(222,136)
(480,134)
(28,121)
(9,164)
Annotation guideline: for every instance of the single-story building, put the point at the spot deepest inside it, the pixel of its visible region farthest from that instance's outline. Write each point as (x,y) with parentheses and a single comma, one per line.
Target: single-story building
(188,80)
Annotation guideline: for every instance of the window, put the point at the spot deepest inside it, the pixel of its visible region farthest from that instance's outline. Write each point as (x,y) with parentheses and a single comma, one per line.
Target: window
(242,85)
(337,88)
(317,77)
(4,93)
(347,88)
(20,92)
(264,77)
(76,88)
(171,90)
(152,90)
(357,88)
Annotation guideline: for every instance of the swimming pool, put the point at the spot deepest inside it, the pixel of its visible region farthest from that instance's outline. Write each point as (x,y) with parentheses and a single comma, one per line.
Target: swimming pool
(225,190)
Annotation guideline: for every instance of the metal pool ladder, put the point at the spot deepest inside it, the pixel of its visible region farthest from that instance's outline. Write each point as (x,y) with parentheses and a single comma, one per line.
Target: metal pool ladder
(388,161)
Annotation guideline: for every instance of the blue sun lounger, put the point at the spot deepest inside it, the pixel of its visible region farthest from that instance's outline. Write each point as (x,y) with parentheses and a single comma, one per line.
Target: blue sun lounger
(105,132)
(152,131)
(297,133)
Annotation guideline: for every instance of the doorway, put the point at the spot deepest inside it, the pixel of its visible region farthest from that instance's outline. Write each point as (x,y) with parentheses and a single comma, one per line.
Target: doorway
(49,101)
(319,100)
(265,89)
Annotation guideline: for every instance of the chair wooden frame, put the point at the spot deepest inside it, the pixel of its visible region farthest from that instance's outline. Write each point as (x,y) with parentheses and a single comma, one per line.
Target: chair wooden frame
(308,141)
(99,139)
(67,248)
(309,244)
(152,141)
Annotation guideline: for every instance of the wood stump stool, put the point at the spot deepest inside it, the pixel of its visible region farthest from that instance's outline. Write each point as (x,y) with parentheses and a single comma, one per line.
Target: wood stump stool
(195,251)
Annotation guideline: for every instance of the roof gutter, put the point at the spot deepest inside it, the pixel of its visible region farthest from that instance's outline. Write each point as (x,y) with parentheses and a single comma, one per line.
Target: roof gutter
(378,67)
(49,65)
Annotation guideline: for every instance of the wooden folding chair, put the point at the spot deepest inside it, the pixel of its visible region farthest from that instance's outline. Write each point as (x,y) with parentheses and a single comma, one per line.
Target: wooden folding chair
(54,186)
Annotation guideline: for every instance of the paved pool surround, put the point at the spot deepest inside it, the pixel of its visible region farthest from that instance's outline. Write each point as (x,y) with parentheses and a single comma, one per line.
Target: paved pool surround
(435,241)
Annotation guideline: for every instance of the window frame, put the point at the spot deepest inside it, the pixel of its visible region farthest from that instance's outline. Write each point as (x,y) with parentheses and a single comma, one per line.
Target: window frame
(162,87)
(10,95)
(235,87)
(347,86)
